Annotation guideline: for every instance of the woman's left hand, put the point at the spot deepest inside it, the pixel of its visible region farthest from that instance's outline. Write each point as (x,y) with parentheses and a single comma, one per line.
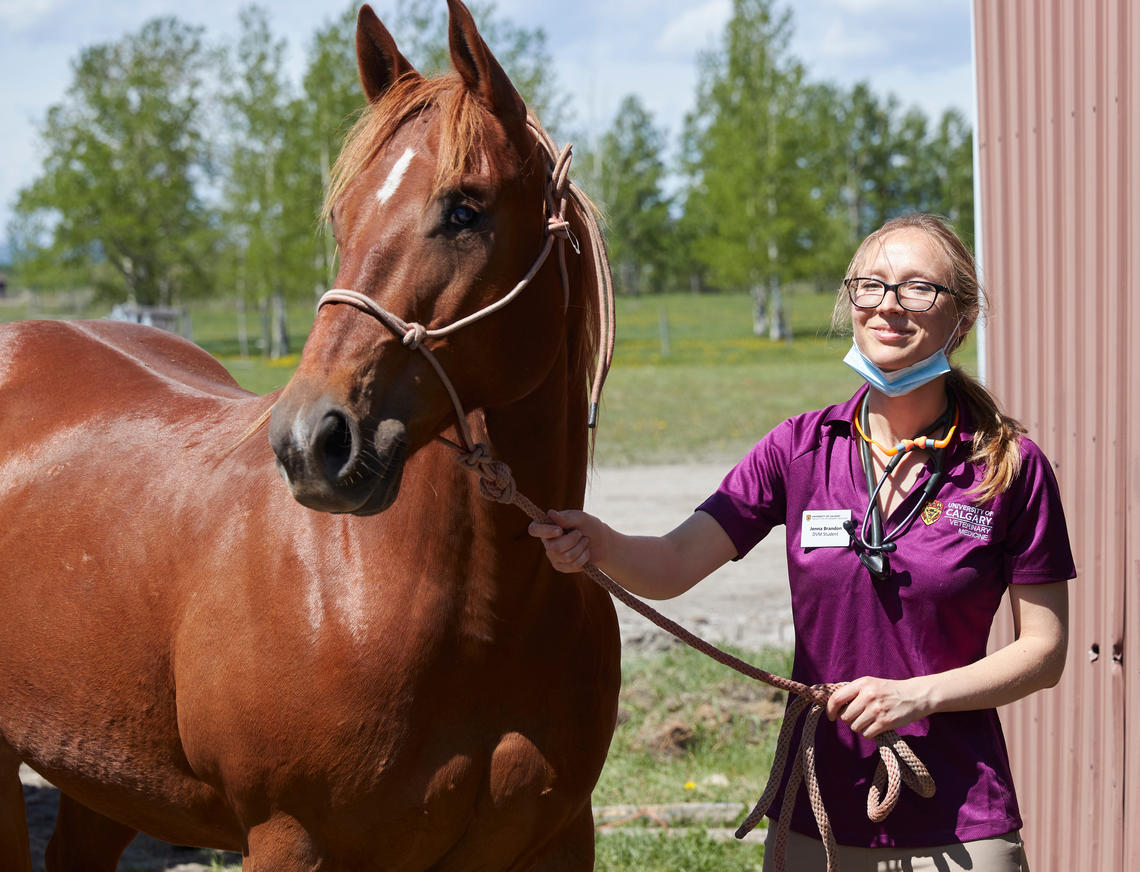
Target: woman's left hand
(874,705)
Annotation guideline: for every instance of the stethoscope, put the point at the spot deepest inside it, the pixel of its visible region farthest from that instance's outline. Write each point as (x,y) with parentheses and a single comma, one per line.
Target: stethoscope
(871,545)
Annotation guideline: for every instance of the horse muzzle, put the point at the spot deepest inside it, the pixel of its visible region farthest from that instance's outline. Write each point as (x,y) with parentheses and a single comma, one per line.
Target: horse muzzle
(331,464)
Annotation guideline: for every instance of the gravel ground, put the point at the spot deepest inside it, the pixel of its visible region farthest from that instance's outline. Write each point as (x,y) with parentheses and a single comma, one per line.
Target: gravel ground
(745,603)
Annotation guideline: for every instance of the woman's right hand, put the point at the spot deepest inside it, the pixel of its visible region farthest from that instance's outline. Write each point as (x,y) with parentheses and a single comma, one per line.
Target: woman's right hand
(657,567)
(572,539)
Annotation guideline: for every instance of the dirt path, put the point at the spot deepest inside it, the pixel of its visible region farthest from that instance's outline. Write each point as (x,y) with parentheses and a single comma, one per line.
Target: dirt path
(745,603)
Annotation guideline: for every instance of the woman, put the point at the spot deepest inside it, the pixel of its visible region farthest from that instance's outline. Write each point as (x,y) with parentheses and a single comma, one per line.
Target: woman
(894,596)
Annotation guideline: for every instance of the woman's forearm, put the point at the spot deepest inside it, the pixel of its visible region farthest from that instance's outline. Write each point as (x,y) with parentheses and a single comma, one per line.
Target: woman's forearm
(1033,661)
(1022,667)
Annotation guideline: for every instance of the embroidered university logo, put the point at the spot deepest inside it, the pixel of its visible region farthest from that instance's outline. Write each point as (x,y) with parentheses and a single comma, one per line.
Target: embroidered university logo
(971,521)
(932,512)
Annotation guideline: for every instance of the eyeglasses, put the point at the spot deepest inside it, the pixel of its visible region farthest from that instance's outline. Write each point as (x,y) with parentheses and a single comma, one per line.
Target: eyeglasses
(915,295)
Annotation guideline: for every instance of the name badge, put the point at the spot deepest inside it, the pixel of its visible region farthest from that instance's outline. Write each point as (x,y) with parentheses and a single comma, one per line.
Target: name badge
(823,528)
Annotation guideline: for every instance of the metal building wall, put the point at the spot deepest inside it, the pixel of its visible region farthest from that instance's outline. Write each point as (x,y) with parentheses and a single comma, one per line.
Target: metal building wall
(1059,164)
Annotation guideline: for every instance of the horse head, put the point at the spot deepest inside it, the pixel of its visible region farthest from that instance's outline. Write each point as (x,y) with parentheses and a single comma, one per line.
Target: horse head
(442,201)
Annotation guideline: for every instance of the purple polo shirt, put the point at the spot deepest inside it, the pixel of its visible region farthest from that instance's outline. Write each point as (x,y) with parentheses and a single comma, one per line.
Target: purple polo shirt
(932,614)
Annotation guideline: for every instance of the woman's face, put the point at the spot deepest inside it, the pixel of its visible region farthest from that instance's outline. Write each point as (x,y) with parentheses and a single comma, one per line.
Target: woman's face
(889,335)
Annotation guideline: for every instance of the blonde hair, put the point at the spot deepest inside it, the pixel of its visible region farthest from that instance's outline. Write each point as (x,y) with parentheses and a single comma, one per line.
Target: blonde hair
(996,436)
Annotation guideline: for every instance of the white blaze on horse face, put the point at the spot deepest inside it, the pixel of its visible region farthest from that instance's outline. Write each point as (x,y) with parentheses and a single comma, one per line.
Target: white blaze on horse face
(395,176)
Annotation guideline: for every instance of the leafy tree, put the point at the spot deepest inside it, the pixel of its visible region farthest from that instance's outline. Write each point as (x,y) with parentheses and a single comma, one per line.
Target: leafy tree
(330,100)
(265,256)
(865,143)
(752,207)
(827,162)
(626,178)
(951,156)
(892,163)
(119,197)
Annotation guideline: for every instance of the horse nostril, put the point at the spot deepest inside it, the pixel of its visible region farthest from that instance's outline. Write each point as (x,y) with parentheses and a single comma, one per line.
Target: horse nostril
(333,443)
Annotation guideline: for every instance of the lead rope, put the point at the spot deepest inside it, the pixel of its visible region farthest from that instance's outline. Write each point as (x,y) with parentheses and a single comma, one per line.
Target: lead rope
(897,763)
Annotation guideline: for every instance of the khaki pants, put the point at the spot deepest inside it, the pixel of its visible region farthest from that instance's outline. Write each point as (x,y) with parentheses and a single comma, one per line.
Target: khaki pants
(999,854)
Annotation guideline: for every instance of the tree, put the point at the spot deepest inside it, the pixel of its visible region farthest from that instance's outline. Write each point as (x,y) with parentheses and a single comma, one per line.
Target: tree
(259,200)
(330,100)
(951,154)
(626,177)
(752,206)
(118,199)
(893,163)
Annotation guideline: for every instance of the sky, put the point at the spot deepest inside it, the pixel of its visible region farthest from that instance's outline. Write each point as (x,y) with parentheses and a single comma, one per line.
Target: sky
(602,50)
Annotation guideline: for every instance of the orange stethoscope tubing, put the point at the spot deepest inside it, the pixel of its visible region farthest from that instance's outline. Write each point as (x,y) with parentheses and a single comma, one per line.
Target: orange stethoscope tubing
(921,442)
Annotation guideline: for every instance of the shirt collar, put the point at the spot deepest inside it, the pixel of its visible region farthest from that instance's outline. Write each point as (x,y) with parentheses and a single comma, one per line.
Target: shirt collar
(839,417)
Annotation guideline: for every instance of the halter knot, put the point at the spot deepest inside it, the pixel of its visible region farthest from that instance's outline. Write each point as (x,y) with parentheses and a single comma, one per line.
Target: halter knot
(495,479)
(559,227)
(414,335)
(496,482)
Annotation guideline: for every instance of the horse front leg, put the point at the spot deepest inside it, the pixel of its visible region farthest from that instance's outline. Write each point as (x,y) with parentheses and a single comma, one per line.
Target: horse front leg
(280,844)
(15,853)
(84,840)
(572,850)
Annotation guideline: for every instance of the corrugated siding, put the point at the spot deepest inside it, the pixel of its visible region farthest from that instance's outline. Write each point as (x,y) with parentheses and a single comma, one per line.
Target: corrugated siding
(1059,155)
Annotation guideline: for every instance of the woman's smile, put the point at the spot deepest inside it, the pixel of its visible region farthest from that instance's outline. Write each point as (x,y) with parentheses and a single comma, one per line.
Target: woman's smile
(889,334)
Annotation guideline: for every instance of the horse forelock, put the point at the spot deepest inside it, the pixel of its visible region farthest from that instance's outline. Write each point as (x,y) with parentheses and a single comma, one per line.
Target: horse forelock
(462,133)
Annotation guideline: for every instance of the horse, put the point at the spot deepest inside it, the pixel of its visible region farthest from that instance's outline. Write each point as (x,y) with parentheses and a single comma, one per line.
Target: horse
(368,665)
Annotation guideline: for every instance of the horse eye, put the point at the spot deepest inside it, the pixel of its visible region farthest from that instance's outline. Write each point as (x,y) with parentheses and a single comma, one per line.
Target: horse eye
(462,217)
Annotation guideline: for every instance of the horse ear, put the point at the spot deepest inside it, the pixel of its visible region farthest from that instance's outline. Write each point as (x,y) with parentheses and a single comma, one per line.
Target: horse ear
(480,72)
(377,58)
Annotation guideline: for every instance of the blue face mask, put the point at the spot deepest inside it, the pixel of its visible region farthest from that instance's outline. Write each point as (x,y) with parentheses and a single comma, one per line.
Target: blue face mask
(901,381)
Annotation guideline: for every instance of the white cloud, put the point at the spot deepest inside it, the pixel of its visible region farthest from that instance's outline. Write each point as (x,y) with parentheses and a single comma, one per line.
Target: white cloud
(838,44)
(866,7)
(693,29)
(17,15)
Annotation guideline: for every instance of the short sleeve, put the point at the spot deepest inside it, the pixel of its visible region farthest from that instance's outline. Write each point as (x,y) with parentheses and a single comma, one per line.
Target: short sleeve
(752,498)
(1036,545)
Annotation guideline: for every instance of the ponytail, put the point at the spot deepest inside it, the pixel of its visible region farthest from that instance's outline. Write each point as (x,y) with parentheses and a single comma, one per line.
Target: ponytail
(996,437)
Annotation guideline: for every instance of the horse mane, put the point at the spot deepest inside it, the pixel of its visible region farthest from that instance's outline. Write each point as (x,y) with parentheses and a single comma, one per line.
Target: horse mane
(463,126)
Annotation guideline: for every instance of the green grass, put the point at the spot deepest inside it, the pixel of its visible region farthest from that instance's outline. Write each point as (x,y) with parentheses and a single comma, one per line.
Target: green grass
(719,388)
(689,731)
(692,730)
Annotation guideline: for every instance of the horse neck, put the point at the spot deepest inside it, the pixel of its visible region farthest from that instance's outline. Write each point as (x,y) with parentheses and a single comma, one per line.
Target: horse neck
(543,437)
(492,576)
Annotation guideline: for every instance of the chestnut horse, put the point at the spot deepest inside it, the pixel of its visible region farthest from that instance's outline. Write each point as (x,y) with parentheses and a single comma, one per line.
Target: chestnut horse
(388,676)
